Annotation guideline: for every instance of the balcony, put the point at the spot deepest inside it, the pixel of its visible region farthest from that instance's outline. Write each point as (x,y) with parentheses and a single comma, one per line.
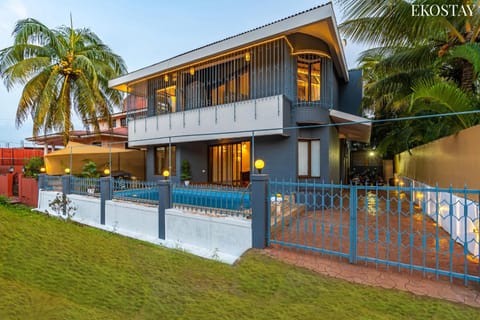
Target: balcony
(264,116)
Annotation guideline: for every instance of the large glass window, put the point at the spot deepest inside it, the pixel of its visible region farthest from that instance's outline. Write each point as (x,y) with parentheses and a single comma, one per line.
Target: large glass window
(308,78)
(309,158)
(165,159)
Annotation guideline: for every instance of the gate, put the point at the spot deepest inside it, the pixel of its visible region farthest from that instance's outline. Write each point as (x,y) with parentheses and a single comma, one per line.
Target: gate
(413,227)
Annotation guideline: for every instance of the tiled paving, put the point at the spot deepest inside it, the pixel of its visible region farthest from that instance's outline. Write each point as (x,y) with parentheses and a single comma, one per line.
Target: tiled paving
(389,279)
(400,235)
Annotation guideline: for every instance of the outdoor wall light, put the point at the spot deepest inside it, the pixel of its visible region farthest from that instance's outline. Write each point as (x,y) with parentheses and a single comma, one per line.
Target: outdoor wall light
(166,78)
(11,169)
(259,165)
(371,153)
(192,71)
(67,170)
(166,174)
(106,172)
(247,56)
(42,169)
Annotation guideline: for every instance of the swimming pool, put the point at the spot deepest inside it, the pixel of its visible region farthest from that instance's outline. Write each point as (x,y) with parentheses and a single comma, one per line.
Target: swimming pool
(202,197)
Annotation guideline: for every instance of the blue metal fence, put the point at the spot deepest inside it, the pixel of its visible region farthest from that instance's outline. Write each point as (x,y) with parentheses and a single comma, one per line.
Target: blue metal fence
(410,226)
(135,190)
(53,183)
(85,186)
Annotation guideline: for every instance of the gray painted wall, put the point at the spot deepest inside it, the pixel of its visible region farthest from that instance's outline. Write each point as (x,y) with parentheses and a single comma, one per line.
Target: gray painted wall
(350,94)
(197,155)
(279,154)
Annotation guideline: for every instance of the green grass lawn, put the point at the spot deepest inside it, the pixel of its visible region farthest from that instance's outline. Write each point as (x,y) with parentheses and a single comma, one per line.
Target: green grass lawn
(50,269)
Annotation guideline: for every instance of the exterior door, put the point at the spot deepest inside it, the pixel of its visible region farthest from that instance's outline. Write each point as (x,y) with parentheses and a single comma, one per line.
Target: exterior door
(230,164)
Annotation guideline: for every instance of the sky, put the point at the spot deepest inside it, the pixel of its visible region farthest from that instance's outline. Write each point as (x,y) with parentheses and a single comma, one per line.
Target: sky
(143,32)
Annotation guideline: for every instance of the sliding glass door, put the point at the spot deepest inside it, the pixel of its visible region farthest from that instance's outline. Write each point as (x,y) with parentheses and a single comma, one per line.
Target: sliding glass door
(230,164)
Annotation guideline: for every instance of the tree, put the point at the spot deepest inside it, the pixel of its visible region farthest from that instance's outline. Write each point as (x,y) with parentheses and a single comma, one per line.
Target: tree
(422,65)
(61,69)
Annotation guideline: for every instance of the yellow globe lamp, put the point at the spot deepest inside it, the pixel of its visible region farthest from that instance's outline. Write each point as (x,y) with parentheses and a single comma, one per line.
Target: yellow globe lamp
(166,174)
(67,170)
(42,169)
(106,172)
(259,165)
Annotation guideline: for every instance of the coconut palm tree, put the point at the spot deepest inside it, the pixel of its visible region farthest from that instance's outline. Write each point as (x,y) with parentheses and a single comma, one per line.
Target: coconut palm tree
(422,65)
(61,70)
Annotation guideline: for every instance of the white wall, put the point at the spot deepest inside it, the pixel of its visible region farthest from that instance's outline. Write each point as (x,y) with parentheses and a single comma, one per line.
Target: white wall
(461,224)
(44,198)
(228,235)
(263,113)
(221,238)
(88,208)
(132,217)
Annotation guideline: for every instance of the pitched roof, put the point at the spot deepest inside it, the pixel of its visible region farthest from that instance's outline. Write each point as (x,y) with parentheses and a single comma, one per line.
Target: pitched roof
(270,30)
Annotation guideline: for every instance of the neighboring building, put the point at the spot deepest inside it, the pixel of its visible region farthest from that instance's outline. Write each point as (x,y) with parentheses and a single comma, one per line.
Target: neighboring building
(226,104)
(12,160)
(115,135)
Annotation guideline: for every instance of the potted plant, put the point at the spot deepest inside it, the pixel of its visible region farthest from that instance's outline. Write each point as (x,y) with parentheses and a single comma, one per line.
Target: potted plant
(186,172)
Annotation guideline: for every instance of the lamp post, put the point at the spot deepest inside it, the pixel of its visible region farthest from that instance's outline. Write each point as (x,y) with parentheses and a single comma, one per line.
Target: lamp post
(259,165)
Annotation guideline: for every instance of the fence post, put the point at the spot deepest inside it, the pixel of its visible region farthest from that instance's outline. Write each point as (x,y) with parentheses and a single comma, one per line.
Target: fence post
(105,194)
(42,179)
(163,204)
(259,210)
(353,224)
(66,184)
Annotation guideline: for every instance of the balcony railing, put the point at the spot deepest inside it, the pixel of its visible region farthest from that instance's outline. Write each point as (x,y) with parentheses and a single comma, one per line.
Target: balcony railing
(265,116)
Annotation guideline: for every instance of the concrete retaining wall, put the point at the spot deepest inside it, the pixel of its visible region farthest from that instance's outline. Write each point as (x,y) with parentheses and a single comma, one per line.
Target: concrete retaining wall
(218,234)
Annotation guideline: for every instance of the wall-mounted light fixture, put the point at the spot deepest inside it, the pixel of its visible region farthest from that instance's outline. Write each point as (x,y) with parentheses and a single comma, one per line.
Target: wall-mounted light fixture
(247,57)
(106,171)
(192,71)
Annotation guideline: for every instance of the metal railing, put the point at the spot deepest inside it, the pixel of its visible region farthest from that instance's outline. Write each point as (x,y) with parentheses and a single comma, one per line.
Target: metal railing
(85,186)
(135,190)
(409,226)
(53,183)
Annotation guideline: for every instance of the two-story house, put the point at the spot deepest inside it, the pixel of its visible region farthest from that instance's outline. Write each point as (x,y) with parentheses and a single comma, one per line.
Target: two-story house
(281,92)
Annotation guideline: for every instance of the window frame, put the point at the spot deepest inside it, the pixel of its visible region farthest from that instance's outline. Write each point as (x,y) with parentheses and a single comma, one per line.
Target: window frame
(309,158)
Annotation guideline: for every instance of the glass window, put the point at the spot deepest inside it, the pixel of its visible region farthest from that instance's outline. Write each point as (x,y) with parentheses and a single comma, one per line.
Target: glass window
(309,158)
(308,78)
(165,159)
(123,122)
(166,100)
(114,123)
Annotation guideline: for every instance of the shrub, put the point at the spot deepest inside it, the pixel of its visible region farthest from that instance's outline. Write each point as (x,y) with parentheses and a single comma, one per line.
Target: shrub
(33,166)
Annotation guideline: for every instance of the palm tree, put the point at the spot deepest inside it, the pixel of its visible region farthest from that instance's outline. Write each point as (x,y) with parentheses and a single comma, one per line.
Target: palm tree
(421,65)
(61,69)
